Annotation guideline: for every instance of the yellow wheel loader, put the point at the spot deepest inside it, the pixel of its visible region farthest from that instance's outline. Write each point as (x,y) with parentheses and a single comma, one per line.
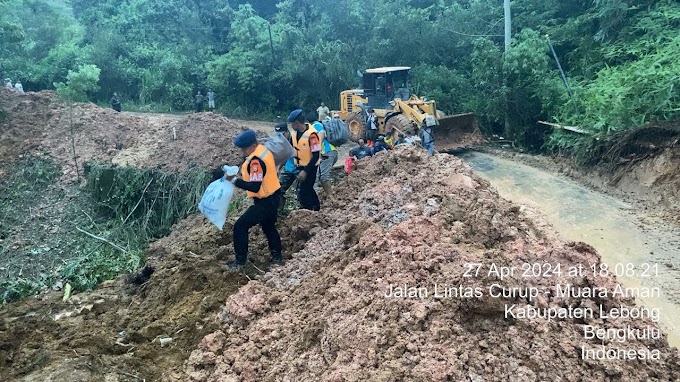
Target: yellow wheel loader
(387,91)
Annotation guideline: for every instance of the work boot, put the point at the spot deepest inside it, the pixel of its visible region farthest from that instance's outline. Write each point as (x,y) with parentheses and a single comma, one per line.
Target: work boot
(326,187)
(277,258)
(237,264)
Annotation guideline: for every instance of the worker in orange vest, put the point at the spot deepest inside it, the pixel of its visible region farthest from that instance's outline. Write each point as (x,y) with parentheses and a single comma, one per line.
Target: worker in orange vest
(261,182)
(307,145)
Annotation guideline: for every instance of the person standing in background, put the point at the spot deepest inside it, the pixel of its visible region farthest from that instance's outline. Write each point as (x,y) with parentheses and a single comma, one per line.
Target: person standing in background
(323,111)
(199,102)
(371,127)
(211,99)
(289,173)
(427,138)
(329,156)
(115,102)
(307,147)
(19,87)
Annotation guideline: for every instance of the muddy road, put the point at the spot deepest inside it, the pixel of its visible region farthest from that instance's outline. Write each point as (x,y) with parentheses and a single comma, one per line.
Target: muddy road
(620,232)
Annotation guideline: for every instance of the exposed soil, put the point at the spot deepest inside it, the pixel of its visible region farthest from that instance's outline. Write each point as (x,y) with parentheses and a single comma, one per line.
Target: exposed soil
(37,122)
(324,316)
(113,333)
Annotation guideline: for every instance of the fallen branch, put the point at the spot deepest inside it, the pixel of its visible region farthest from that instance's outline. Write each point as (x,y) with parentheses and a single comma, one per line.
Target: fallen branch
(102,239)
(261,271)
(127,374)
(139,201)
(563,127)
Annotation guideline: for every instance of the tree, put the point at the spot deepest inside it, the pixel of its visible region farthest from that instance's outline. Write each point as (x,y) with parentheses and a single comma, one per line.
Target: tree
(79,83)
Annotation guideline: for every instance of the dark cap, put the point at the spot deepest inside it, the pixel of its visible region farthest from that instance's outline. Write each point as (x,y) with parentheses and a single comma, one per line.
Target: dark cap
(245,139)
(281,127)
(294,115)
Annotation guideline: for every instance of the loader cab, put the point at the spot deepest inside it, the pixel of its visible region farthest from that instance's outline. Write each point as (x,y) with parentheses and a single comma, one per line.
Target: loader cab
(382,85)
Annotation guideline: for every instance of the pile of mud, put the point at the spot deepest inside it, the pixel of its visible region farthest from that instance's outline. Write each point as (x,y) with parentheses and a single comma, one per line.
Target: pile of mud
(113,333)
(37,122)
(203,139)
(403,220)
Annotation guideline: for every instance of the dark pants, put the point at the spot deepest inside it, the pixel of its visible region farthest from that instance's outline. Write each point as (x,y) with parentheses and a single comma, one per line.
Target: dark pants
(199,107)
(264,213)
(286,179)
(371,135)
(306,195)
(116,107)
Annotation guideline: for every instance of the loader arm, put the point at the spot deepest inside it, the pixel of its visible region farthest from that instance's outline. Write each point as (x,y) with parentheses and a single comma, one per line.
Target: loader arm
(412,111)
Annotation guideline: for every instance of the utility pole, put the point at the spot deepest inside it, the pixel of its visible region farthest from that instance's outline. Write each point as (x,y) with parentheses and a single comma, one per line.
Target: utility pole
(508,23)
(271,45)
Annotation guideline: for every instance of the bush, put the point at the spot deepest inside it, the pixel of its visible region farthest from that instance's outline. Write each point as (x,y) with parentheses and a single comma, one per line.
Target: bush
(79,83)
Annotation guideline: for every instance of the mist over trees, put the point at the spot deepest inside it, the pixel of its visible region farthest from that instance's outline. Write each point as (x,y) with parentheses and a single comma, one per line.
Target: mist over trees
(263,58)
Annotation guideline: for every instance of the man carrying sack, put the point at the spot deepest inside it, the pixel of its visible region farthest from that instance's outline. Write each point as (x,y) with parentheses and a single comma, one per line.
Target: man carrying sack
(307,158)
(259,179)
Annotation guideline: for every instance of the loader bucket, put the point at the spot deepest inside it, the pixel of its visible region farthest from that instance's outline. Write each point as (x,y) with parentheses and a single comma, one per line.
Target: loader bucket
(457,131)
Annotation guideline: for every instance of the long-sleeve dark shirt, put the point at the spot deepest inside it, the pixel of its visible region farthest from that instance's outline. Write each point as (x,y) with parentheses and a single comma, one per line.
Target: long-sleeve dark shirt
(361,152)
(252,186)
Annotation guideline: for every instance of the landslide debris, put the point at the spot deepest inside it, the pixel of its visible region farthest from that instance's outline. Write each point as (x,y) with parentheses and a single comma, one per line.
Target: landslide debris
(38,122)
(113,332)
(403,219)
(400,218)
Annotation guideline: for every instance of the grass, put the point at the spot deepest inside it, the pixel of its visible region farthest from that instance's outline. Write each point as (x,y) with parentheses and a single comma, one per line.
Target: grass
(85,235)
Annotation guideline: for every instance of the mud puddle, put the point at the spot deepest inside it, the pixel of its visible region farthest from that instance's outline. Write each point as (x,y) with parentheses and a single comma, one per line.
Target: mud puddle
(614,228)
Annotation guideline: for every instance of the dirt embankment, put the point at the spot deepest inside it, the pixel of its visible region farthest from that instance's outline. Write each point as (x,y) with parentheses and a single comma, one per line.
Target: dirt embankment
(404,220)
(37,122)
(114,332)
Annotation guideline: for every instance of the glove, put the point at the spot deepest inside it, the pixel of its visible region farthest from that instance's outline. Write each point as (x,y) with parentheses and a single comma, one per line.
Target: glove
(230,170)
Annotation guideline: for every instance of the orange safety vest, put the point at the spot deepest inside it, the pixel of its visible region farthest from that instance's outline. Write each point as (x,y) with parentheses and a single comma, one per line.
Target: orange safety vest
(252,171)
(304,146)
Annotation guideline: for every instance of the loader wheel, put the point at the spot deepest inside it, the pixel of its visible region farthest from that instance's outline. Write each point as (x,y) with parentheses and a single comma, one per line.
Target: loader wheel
(399,122)
(356,125)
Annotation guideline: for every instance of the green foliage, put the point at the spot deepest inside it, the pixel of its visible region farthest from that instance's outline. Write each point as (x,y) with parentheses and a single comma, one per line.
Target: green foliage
(88,271)
(641,85)
(631,94)
(441,84)
(79,83)
(150,199)
(265,58)
(102,233)
(485,95)
(20,288)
